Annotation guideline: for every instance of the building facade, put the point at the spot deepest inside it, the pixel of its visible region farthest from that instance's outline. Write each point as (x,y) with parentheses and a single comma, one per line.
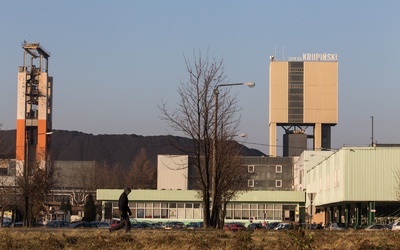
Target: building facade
(303,92)
(176,172)
(269,173)
(353,185)
(186,205)
(34,108)
(270,194)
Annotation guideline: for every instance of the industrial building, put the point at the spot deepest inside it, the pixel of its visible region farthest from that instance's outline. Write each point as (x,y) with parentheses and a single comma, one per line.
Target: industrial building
(303,92)
(34,108)
(353,185)
(271,196)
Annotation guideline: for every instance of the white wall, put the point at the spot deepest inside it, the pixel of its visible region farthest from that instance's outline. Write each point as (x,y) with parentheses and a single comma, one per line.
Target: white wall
(172,172)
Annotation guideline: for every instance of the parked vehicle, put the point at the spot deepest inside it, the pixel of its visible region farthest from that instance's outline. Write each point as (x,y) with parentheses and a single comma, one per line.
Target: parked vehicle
(396,225)
(283,226)
(101,224)
(195,225)
(377,227)
(272,225)
(12,224)
(234,226)
(82,224)
(255,226)
(57,224)
(156,225)
(174,225)
(141,225)
(336,226)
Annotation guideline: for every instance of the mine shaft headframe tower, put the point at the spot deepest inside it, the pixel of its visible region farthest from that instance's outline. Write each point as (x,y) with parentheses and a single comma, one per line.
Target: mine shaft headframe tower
(34,105)
(303,92)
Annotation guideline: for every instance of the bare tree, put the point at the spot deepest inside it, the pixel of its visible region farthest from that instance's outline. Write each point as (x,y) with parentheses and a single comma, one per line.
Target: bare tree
(232,176)
(194,117)
(107,176)
(34,188)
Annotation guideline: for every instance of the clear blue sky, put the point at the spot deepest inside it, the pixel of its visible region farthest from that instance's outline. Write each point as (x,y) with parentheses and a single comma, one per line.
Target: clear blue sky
(114,61)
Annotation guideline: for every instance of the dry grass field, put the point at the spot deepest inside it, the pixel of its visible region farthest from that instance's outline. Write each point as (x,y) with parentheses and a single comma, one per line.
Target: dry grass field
(42,238)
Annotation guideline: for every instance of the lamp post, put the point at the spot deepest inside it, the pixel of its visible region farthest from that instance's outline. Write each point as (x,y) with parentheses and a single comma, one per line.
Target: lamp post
(214,156)
(26,173)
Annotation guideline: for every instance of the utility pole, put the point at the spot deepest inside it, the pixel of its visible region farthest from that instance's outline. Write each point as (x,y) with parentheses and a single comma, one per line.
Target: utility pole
(372,131)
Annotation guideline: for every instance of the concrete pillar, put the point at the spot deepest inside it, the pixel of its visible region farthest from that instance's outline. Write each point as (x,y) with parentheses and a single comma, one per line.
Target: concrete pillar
(357,215)
(347,214)
(302,212)
(371,212)
(317,136)
(326,219)
(272,139)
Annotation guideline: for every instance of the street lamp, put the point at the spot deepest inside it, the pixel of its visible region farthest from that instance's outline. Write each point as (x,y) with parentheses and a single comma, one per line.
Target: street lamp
(214,156)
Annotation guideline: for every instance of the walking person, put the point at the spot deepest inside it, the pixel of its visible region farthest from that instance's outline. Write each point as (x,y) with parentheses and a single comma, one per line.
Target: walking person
(123,205)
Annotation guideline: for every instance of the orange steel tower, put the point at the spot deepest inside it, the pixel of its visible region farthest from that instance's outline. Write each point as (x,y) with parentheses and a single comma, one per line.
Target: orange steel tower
(34,107)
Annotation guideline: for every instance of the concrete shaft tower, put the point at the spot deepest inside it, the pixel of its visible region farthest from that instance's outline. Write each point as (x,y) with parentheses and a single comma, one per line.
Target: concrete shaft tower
(34,107)
(302,93)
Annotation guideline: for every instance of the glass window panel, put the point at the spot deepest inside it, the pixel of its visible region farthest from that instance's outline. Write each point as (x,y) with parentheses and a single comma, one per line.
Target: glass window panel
(164,205)
(196,205)
(270,206)
(149,205)
(261,206)
(149,213)
(140,205)
(116,213)
(133,210)
(188,205)
(278,206)
(140,213)
(157,213)
(238,214)
(172,205)
(277,214)
(245,206)
(245,215)
(156,205)
(181,205)
(261,214)
(164,213)
(253,206)
(270,215)
(254,214)
(238,206)
(228,214)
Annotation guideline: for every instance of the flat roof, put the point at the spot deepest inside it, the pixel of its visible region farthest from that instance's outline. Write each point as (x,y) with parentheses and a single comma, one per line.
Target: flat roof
(193,196)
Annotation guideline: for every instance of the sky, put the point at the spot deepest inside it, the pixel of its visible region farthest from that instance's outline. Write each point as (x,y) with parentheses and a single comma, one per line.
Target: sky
(115,62)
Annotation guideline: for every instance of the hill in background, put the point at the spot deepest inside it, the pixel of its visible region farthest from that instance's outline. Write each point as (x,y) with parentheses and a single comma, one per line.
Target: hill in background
(121,150)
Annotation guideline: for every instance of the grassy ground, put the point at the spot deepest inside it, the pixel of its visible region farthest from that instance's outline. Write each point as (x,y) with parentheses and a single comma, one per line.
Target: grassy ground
(42,238)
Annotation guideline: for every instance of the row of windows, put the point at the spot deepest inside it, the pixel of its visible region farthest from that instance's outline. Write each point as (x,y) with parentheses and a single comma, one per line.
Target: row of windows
(278,183)
(162,210)
(240,211)
(251,168)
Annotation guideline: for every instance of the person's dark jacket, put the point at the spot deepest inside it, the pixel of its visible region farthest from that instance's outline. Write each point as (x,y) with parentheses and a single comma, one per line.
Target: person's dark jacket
(123,205)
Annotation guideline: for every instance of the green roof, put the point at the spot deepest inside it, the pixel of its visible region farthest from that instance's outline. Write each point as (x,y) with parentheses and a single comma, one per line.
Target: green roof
(193,196)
